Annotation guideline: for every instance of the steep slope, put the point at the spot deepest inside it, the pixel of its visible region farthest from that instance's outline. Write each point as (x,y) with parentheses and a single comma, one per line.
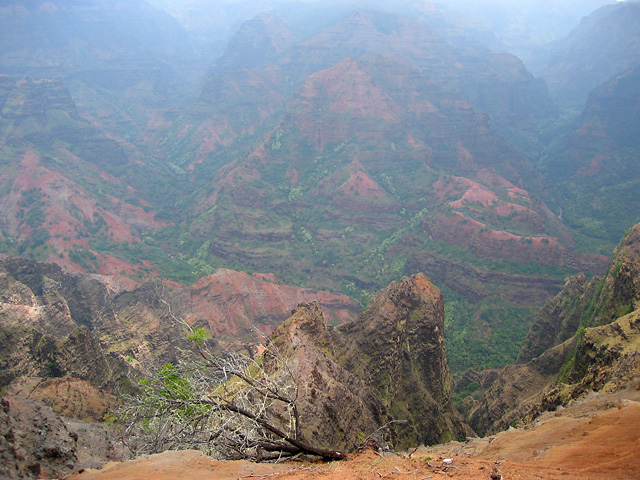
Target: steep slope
(340,116)
(57,323)
(273,67)
(388,364)
(588,336)
(357,155)
(60,191)
(397,346)
(51,29)
(35,442)
(596,162)
(605,44)
(351,122)
(342,158)
(73,342)
(54,323)
(559,319)
(126,65)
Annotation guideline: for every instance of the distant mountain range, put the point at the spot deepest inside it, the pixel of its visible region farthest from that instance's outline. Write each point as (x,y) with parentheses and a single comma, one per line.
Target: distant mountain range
(339,156)
(324,155)
(604,44)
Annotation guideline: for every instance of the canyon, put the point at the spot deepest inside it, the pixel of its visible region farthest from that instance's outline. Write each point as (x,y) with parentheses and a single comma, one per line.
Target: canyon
(353,186)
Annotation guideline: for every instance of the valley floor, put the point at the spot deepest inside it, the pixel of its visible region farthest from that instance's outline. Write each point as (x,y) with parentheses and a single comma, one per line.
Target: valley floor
(596,437)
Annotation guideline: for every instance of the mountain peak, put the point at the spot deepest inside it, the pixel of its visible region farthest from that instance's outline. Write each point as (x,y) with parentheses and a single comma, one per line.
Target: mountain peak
(389,363)
(347,88)
(257,41)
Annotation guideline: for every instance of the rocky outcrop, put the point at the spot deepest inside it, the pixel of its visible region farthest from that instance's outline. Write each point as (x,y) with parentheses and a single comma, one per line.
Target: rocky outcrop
(54,324)
(72,341)
(587,304)
(388,364)
(337,408)
(584,339)
(515,391)
(568,307)
(57,323)
(397,346)
(619,294)
(608,357)
(37,443)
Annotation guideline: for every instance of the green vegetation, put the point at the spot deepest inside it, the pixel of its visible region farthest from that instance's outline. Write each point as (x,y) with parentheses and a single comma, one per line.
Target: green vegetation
(84,258)
(473,389)
(176,269)
(33,204)
(486,335)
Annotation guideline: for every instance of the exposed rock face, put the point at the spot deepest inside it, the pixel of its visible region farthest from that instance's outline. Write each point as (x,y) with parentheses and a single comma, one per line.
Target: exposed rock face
(620,293)
(587,304)
(36,443)
(546,331)
(73,340)
(369,144)
(597,159)
(57,323)
(608,357)
(388,364)
(397,346)
(53,323)
(586,338)
(68,396)
(235,302)
(337,408)
(515,391)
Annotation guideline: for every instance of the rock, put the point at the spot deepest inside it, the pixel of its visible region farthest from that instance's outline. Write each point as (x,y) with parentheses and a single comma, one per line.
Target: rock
(568,307)
(73,341)
(37,443)
(397,345)
(584,339)
(388,364)
(515,390)
(337,408)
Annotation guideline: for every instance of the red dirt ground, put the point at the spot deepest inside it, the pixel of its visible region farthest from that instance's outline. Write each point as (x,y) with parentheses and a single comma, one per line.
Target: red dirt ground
(596,438)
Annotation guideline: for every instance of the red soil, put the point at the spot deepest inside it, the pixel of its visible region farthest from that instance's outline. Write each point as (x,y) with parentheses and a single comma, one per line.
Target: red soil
(349,90)
(294,175)
(476,193)
(596,438)
(232,302)
(361,184)
(593,168)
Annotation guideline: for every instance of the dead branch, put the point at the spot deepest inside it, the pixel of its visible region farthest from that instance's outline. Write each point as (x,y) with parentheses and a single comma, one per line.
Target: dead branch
(226,404)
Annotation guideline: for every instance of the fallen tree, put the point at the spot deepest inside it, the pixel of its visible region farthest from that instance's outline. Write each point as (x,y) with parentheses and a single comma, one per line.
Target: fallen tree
(228,405)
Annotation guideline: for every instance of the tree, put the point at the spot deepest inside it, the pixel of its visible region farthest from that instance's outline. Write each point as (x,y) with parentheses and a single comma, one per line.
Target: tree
(228,405)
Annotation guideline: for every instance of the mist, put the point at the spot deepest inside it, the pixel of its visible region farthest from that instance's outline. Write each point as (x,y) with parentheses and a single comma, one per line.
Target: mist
(518,26)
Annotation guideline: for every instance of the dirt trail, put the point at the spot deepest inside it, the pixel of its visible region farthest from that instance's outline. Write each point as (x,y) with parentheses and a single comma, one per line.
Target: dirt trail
(595,438)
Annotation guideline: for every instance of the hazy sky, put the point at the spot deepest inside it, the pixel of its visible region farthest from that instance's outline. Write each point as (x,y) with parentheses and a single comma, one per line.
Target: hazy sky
(519,24)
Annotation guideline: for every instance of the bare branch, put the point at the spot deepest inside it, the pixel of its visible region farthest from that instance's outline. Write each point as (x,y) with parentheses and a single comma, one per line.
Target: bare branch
(228,404)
